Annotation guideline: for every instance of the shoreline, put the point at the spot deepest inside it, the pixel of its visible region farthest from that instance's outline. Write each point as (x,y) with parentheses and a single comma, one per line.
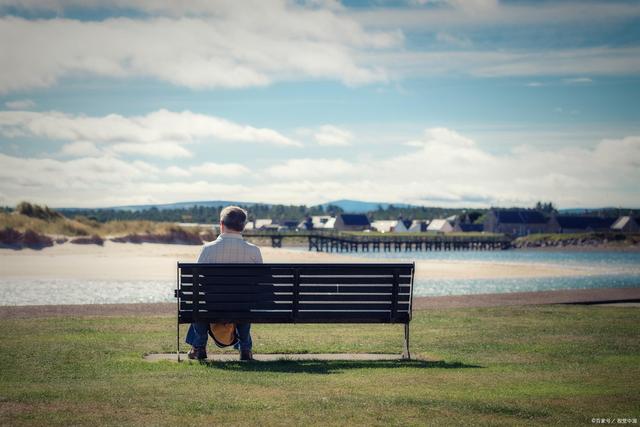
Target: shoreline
(568,248)
(154,261)
(567,296)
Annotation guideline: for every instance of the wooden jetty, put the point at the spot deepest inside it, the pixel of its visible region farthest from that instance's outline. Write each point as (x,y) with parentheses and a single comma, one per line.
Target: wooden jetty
(346,242)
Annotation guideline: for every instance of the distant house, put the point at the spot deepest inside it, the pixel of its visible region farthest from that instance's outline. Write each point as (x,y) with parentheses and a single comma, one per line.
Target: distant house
(316,222)
(418,226)
(626,224)
(351,222)
(516,222)
(330,224)
(440,226)
(462,227)
(384,226)
(579,223)
(286,225)
(463,224)
(392,226)
(260,224)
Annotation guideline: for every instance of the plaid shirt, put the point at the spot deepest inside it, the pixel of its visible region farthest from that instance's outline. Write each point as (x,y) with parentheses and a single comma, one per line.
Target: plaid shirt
(230,248)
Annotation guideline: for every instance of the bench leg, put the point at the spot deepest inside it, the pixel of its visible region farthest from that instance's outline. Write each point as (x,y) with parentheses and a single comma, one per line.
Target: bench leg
(178,338)
(405,352)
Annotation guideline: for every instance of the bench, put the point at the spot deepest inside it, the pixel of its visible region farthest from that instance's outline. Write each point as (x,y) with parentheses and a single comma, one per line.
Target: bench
(295,293)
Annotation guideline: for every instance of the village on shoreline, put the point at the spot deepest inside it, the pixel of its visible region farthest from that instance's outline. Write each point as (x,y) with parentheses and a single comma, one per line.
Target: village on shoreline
(34,226)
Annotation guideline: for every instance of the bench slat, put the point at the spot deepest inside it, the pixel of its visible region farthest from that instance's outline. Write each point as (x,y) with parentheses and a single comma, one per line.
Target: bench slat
(238,270)
(364,280)
(337,270)
(330,317)
(374,289)
(305,270)
(238,317)
(307,305)
(304,297)
(239,297)
(236,306)
(239,289)
(303,317)
(347,297)
(240,280)
(256,289)
(304,306)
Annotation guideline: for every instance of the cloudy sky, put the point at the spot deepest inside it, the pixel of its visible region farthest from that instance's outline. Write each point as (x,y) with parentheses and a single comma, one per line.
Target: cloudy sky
(432,102)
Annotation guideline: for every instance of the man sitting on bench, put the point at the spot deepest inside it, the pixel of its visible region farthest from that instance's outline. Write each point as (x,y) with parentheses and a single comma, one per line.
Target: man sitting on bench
(229,247)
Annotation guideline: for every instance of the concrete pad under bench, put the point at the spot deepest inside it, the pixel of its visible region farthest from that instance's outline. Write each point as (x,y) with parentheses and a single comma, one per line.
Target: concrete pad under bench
(283,357)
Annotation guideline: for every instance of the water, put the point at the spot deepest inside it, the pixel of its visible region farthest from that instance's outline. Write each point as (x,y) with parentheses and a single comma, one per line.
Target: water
(68,291)
(602,270)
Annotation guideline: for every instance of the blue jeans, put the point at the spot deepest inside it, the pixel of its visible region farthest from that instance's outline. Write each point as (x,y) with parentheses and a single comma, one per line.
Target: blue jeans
(198,335)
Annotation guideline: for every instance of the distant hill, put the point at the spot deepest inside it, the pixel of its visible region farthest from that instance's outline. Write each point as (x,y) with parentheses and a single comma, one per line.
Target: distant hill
(355,206)
(185,205)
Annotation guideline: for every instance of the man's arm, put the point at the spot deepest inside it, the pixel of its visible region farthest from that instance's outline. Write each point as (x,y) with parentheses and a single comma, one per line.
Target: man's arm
(202,258)
(258,256)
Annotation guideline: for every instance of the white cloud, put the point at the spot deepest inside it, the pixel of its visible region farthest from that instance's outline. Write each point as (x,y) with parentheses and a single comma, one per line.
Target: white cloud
(501,63)
(196,44)
(311,168)
(20,104)
(166,150)
(232,44)
(332,136)
(160,134)
(80,149)
(465,14)
(451,169)
(220,169)
(63,178)
(177,171)
(443,168)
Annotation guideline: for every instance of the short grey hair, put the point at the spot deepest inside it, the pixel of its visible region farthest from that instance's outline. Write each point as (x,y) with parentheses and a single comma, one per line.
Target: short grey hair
(233,217)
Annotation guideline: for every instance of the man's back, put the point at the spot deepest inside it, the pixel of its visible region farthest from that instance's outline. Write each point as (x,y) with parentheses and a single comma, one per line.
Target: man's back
(230,248)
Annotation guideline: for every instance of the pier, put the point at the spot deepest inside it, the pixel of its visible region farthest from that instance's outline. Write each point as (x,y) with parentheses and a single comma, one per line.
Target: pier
(347,242)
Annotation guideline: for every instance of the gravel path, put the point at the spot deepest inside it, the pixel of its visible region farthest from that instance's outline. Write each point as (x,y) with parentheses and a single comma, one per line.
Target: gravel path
(573,296)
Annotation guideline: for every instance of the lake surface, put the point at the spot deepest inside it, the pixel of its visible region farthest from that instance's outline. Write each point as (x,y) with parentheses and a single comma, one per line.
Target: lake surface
(605,270)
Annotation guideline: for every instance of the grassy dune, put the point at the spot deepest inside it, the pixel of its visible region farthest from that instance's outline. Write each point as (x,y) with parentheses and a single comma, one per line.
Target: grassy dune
(84,227)
(501,366)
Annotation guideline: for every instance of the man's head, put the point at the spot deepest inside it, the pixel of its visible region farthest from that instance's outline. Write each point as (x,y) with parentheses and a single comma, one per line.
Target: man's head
(233,219)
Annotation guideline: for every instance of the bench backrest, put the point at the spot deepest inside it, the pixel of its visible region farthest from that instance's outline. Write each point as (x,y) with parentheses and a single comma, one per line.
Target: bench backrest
(303,293)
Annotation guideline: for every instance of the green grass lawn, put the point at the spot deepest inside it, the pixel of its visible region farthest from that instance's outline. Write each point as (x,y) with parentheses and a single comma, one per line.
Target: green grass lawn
(501,366)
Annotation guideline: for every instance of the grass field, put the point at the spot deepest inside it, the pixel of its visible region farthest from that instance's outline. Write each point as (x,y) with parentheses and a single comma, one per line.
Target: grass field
(501,366)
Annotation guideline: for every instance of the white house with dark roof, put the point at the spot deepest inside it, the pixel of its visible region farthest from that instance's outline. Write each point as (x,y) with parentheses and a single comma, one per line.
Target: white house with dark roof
(626,224)
(351,222)
(579,223)
(419,226)
(516,222)
(317,222)
(260,224)
(440,226)
(384,225)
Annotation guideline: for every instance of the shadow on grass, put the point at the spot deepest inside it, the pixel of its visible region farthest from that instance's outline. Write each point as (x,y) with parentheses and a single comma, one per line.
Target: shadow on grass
(332,366)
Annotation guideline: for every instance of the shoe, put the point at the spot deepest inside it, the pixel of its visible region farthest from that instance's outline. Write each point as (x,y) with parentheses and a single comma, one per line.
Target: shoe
(198,353)
(246,355)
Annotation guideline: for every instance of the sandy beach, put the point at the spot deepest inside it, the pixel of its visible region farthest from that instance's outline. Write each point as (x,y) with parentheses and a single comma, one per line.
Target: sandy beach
(127,261)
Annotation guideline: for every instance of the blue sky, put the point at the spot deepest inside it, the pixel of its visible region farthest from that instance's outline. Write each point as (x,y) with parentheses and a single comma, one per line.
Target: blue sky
(450,103)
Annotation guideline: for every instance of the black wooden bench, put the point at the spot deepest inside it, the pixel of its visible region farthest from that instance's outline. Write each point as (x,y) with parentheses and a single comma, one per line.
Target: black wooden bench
(296,293)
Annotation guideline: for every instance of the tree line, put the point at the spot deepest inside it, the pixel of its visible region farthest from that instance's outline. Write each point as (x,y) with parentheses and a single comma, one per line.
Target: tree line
(277,213)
